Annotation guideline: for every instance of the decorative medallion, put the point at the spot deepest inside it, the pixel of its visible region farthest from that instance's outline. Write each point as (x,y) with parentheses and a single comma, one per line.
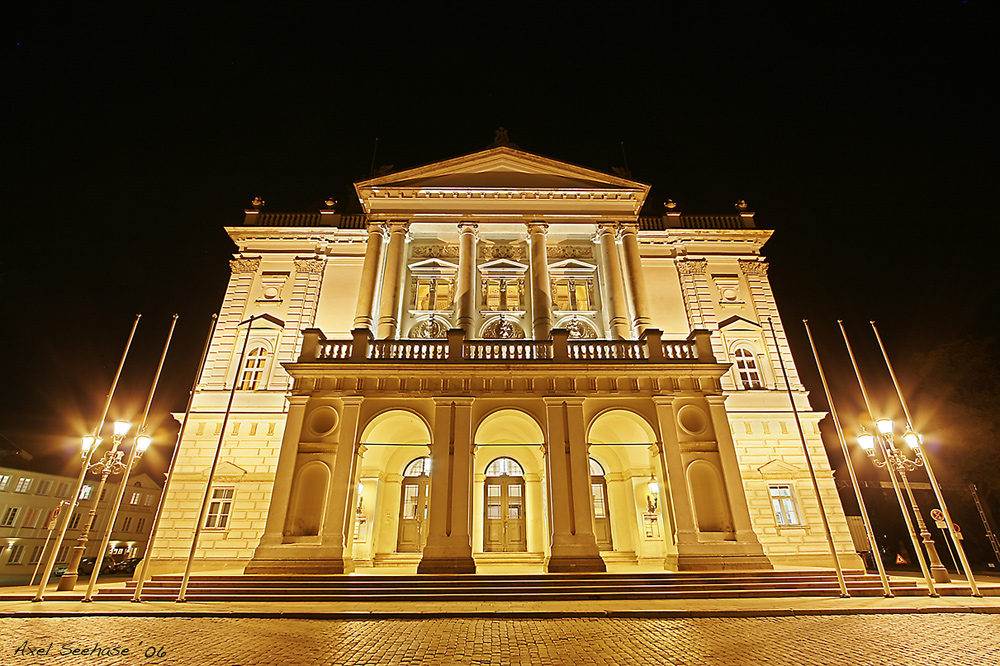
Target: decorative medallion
(503,329)
(429,328)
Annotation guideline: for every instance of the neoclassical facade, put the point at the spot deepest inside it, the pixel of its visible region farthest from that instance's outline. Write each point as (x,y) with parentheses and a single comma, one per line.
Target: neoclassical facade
(499,364)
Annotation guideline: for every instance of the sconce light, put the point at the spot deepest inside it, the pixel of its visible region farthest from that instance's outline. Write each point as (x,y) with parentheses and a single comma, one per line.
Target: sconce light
(653,498)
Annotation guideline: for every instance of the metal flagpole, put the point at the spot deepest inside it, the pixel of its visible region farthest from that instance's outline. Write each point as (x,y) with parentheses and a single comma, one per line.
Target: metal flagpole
(53,521)
(215,463)
(135,452)
(850,468)
(812,472)
(931,590)
(40,593)
(930,471)
(144,569)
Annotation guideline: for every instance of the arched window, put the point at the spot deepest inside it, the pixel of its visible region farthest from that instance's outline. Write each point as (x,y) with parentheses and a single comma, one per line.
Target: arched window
(504,467)
(418,467)
(595,468)
(253,369)
(746,369)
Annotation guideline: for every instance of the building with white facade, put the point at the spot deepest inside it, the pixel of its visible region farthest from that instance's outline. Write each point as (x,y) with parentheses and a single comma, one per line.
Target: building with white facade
(499,362)
(32,504)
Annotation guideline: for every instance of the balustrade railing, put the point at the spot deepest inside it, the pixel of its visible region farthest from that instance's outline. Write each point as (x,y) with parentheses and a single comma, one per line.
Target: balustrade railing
(650,348)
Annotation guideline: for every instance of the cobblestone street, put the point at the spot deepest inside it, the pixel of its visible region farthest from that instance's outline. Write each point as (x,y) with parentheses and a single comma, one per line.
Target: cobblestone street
(856,640)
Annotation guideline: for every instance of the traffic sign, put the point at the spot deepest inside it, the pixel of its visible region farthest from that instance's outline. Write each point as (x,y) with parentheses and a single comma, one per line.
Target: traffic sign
(958,531)
(937,514)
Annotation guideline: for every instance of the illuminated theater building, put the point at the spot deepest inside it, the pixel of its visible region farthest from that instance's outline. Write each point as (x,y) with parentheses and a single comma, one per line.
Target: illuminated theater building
(499,363)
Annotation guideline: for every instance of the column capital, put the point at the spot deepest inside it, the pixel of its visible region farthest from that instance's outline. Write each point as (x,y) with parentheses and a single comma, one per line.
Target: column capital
(663,400)
(467,226)
(352,400)
(603,229)
(716,400)
(397,226)
(628,228)
(376,227)
(536,226)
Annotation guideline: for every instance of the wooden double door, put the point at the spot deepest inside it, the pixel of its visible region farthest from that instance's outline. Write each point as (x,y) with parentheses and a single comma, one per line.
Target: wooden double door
(504,525)
(414,502)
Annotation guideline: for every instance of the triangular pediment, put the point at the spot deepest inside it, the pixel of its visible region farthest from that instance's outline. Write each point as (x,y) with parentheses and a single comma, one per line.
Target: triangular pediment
(503,266)
(501,180)
(737,322)
(501,167)
(226,470)
(571,266)
(778,468)
(433,265)
(264,321)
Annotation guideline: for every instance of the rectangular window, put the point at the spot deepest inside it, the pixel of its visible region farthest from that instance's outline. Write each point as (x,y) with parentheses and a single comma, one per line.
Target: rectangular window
(9,516)
(135,498)
(220,508)
(140,525)
(147,500)
(31,518)
(43,487)
(570,294)
(432,294)
(63,490)
(86,491)
(15,554)
(126,523)
(4,480)
(36,554)
(23,485)
(62,554)
(74,522)
(502,295)
(783,503)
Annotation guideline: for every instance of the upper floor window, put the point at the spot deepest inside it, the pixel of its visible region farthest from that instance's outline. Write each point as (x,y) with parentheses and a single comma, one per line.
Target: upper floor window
(432,294)
(4,480)
(23,485)
(783,503)
(503,295)
(220,508)
(63,490)
(571,294)
(85,492)
(746,369)
(253,369)
(9,516)
(135,498)
(43,487)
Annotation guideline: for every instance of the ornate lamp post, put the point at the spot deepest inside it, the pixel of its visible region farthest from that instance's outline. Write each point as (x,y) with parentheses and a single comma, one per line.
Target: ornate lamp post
(903,464)
(110,464)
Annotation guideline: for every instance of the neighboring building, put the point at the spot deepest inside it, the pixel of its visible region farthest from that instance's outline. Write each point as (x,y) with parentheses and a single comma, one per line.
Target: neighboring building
(33,503)
(499,362)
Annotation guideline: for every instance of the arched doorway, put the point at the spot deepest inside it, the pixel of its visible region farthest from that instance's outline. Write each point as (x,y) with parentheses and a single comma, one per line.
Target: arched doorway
(413,503)
(504,525)
(602,512)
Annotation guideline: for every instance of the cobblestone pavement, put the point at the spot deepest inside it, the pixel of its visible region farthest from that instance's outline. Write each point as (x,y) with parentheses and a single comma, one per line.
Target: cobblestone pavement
(878,640)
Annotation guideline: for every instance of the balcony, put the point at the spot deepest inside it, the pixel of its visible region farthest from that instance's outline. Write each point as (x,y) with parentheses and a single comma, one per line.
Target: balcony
(363,348)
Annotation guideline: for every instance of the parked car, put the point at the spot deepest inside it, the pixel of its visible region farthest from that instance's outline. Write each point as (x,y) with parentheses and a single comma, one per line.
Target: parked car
(128,566)
(87,565)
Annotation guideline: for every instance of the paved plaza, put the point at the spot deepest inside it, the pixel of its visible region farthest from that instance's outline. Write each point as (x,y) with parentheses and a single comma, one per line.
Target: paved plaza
(858,640)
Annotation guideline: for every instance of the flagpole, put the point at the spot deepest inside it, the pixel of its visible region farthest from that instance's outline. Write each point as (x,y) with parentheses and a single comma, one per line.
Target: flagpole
(869,530)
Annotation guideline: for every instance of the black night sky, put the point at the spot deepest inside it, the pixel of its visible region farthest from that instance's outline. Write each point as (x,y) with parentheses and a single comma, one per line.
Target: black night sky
(865,139)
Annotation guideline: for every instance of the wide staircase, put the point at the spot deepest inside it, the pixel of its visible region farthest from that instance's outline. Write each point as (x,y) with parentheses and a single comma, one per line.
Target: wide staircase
(509,587)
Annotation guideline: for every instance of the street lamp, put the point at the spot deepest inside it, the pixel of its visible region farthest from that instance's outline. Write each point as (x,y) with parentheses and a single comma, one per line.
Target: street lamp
(139,447)
(901,463)
(110,463)
(653,498)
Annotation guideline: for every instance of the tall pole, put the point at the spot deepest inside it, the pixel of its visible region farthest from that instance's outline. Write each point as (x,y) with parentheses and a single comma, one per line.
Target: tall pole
(133,454)
(812,472)
(931,590)
(930,472)
(53,521)
(869,530)
(144,569)
(215,463)
(40,593)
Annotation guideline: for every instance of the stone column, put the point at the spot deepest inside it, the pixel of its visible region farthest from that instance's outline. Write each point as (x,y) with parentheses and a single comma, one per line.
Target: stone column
(363,316)
(284,474)
(392,275)
(635,280)
(672,470)
(337,528)
(449,542)
(731,469)
(571,508)
(612,284)
(467,283)
(541,299)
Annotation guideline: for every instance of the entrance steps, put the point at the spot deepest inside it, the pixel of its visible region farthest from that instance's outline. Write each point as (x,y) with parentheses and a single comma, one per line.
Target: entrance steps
(510,588)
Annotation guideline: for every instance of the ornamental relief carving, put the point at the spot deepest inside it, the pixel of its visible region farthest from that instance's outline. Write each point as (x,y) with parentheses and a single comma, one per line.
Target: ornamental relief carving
(503,251)
(692,266)
(244,265)
(309,265)
(753,267)
(437,251)
(569,252)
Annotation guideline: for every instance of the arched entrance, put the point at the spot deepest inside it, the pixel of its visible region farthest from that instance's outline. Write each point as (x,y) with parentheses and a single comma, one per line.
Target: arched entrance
(413,504)
(602,512)
(504,526)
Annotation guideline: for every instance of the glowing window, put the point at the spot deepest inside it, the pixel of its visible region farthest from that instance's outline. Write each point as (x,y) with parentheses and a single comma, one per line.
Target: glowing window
(504,467)
(135,498)
(253,369)
(4,480)
(418,467)
(220,508)
(432,294)
(571,294)
(23,485)
(502,295)
(595,468)
(86,491)
(746,369)
(783,503)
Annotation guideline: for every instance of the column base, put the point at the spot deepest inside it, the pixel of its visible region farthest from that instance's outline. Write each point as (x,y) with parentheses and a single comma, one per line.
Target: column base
(300,567)
(940,574)
(446,565)
(575,564)
(717,563)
